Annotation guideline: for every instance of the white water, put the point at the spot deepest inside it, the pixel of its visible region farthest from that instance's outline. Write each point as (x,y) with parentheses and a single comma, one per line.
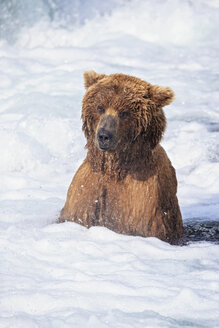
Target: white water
(65,275)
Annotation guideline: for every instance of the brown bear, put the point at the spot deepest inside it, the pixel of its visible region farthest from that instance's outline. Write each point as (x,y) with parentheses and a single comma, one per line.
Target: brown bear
(126,182)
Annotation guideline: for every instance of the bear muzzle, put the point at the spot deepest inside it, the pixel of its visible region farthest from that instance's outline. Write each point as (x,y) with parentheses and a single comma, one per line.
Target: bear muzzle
(106,138)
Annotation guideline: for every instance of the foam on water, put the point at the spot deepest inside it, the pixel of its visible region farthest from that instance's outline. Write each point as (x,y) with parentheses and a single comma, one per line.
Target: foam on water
(65,275)
(86,21)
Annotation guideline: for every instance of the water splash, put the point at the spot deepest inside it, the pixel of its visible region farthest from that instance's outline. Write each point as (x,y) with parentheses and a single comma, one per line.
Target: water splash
(165,22)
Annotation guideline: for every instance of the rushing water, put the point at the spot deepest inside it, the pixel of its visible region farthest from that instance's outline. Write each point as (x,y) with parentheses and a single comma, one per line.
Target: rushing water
(67,276)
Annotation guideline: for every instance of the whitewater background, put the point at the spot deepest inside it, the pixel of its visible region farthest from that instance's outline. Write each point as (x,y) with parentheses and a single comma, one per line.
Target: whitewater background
(65,275)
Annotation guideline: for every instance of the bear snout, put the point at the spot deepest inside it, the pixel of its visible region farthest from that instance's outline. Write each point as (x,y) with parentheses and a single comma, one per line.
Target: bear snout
(105,140)
(104,137)
(106,134)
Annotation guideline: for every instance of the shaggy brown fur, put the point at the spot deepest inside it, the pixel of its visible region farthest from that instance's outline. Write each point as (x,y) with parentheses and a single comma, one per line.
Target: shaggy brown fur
(127,182)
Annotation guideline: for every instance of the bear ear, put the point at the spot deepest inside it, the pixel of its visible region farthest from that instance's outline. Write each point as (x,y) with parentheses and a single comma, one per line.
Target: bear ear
(162,96)
(91,77)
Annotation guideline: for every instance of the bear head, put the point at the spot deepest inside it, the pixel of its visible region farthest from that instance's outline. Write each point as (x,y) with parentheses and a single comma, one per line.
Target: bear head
(119,110)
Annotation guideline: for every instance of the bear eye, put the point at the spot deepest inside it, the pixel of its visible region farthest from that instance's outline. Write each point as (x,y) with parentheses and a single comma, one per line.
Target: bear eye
(123,114)
(100,109)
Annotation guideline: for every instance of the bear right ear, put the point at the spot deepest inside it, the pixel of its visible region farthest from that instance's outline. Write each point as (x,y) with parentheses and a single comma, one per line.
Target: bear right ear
(161,95)
(91,77)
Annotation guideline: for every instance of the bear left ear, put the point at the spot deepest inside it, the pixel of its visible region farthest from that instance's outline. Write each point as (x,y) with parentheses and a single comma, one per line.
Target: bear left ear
(91,77)
(161,95)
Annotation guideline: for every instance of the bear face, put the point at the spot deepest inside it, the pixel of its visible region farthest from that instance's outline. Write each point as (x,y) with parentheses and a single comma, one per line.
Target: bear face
(118,109)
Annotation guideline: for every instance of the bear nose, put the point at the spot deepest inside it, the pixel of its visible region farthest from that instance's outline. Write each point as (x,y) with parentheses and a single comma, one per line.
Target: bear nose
(104,137)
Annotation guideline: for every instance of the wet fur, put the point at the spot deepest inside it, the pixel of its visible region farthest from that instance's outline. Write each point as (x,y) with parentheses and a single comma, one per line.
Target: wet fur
(132,189)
